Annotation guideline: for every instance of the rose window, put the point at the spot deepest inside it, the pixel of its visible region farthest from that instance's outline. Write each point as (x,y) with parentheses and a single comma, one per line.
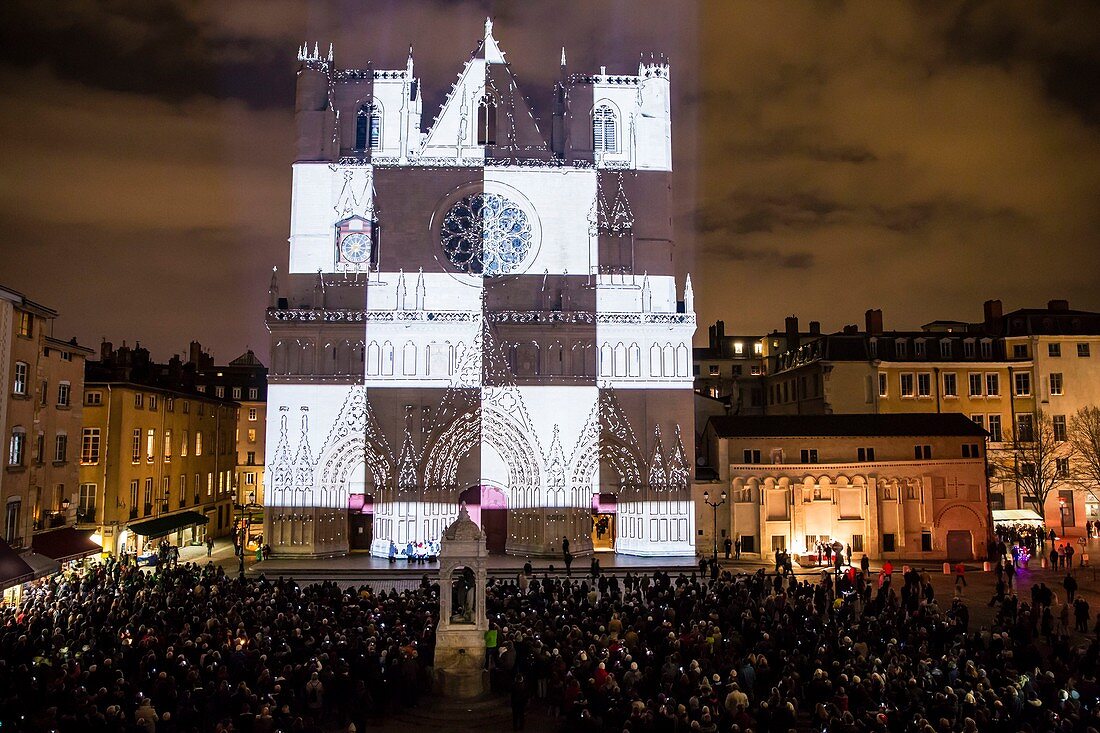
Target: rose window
(486,234)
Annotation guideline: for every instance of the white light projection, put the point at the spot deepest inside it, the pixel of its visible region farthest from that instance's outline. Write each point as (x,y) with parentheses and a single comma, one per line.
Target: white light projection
(451,335)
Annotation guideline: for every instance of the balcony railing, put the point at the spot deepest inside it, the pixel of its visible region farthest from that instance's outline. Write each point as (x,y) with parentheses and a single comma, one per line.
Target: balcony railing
(85,515)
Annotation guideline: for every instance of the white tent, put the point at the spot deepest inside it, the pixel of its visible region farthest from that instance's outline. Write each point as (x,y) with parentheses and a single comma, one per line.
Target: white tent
(1017,516)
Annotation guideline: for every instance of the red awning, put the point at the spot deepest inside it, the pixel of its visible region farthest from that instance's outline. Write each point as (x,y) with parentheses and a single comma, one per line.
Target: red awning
(13,570)
(65,544)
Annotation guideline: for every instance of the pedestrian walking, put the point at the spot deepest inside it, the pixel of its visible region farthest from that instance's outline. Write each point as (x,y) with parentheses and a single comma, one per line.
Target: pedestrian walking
(209,547)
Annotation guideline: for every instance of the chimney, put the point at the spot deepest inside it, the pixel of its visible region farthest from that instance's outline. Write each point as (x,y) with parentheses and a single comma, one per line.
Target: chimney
(993,312)
(873,319)
(815,328)
(105,350)
(1060,306)
(721,326)
(194,352)
(791,327)
(851,329)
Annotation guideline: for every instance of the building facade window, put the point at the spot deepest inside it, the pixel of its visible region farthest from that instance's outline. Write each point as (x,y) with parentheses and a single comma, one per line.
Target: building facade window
(152,402)
(167,446)
(752,455)
(1058,426)
(250,478)
(134,485)
(253,393)
(148,496)
(1083,350)
(25,326)
(17,447)
(994,429)
(89,446)
(150,445)
(61,448)
(1056,383)
(987,349)
(252,414)
(605,130)
(1022,384)
(64,392)
(883,383)
(924,384)
(975,381)
(922,452)
(139,400)
(93,398)
(993,384)
(198,442)
(906,385)
(950,384)
(19,383)
(135,446)
(368,128)
(85,507)
(968,349)
(809,455)
(1019,351)
(865,454)
(1025,427)
(1054,350)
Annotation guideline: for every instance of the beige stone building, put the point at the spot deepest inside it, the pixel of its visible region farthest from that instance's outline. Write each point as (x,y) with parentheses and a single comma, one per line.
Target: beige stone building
(40,411)
(155,462)
(897,486)
(243,380)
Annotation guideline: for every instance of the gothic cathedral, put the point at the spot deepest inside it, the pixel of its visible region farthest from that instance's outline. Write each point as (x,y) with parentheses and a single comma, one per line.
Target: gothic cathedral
(480,314)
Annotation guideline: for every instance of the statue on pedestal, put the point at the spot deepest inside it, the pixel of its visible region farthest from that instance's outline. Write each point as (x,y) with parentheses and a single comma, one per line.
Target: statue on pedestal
(460,637)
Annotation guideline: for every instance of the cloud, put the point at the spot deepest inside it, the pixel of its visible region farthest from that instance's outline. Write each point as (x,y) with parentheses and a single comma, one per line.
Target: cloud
(919,155)
(829,157)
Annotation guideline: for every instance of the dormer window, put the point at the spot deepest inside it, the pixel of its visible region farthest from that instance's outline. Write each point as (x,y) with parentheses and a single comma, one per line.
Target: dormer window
(487,121)
(368,127)
(605,137)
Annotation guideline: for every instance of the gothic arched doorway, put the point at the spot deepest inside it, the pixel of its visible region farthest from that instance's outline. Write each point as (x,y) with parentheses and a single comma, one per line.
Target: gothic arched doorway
(488,508)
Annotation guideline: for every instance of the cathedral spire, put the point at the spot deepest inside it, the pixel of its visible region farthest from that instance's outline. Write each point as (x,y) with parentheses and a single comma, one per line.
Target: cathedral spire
(689,295)
(273,288)
(563,57)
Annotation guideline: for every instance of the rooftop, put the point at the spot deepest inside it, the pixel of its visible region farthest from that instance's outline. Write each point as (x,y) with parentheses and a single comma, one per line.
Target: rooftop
(846,425)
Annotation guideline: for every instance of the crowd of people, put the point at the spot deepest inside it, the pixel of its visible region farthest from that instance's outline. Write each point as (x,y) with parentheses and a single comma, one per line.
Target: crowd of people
(184,648)
(190,649)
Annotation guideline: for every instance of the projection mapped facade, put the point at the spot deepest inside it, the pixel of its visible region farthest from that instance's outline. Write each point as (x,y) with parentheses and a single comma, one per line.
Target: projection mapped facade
(480,314)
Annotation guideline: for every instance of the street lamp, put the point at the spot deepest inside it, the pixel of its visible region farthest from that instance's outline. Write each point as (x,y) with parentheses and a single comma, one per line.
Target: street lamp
(1062,513)
(714,512)
(242,531)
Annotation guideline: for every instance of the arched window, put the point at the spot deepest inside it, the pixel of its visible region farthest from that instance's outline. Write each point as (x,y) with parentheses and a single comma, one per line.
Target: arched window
(605,137)
(368,127)
(487,121)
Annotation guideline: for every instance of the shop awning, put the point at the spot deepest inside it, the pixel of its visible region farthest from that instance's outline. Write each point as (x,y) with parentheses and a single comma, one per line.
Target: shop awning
(65,544)
(168,523)
(1016,516)
(13,569)
(40,565)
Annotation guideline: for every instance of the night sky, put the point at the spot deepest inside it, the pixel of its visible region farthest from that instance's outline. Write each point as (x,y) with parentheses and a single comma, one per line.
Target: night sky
(830,157)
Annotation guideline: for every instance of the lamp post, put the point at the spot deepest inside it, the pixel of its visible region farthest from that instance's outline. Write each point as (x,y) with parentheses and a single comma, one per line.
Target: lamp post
(1062,513)
(242,531)
(714,513)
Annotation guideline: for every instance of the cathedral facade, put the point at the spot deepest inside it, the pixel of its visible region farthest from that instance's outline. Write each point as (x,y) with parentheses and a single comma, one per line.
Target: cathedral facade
(479,313)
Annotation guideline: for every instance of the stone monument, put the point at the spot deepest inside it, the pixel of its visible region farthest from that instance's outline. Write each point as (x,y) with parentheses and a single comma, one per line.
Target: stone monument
(460,636)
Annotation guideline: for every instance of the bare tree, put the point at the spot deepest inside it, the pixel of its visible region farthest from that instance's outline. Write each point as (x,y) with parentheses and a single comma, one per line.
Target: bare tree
(1034,458)
(1084,441)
